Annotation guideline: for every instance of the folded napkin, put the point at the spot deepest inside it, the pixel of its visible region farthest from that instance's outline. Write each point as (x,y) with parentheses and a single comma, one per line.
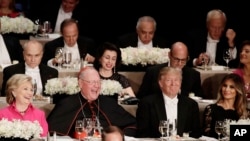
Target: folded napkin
(217,67)
(54,35)
(207,138)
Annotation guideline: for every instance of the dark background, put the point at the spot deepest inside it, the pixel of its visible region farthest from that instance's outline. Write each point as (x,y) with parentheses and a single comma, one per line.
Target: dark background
(107,19)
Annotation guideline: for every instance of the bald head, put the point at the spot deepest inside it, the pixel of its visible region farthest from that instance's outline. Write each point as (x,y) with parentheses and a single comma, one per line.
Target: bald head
(178,55)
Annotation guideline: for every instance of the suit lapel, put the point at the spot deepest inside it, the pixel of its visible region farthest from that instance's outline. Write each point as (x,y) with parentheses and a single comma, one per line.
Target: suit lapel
(160,107)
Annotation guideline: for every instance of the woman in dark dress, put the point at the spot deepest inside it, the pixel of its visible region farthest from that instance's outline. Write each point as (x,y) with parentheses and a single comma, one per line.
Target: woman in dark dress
(231,104)
(107,60)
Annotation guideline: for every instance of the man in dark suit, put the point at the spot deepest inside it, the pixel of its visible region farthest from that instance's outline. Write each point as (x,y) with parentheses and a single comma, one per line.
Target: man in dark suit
(13,49)
(168,105)
(88,103)
(32,53)
(144,35)
(209,44)
(80,47)
(178,56)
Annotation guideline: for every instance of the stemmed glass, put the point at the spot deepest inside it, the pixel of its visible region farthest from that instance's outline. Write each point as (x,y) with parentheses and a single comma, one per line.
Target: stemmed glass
(67,57)
(89,125)
(163,128)
(79,126)
(227,57)
(219,128)
(172,127)
(59,56)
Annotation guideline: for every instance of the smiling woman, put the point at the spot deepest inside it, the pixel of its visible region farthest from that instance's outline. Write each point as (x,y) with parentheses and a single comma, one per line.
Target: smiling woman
(19,94)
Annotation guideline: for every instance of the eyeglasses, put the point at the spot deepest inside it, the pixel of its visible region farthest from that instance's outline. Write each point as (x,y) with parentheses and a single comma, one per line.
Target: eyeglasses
(180,60)
(93,82)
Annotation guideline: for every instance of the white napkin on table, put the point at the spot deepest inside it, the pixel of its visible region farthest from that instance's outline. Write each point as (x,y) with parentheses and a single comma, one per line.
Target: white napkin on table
(208,138)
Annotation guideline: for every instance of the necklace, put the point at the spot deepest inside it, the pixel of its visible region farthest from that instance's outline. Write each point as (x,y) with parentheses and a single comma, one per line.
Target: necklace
(98,111)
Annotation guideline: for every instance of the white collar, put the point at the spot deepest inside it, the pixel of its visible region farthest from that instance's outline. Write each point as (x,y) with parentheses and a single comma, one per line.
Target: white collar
(210,40)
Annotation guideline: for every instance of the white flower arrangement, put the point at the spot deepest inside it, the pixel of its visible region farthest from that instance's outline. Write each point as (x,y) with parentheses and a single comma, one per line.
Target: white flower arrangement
(17,25)
(144,56)
(110,87)
(66,85)
(229,122)
(20,129)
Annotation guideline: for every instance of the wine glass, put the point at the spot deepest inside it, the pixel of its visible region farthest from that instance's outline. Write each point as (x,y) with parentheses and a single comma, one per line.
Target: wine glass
(67,57)
(46,27)
(34,87)
(172,127)
(163,128)
(89,125)
(59,56)
(219,128)
(79,126)
(227,57)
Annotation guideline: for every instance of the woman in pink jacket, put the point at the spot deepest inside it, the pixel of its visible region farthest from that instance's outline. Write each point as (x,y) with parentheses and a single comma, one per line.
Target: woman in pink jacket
(19,94)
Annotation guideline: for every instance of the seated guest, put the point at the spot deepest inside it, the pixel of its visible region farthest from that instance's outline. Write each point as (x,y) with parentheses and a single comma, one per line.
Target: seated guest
(244,65)
(144,35)
(88,103)
(19,95)
(231,104)
(112,133)
(32,53)
(11,49)
(80,47)
(7,8)
(169,104)
(210,43)
(107,62)
(178,55)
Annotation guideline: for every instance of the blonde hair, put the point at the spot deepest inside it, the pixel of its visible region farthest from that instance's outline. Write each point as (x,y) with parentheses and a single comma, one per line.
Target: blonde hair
(167,70)
(14,82)
(216,14)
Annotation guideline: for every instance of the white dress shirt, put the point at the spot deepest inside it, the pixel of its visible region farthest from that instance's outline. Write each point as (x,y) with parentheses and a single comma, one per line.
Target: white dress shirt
(60,17)
(140,44)
(35,74)
(171,107)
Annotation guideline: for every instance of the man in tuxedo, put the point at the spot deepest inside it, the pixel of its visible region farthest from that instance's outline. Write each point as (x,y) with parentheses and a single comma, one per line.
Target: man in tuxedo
(178,57)
(144,35)
(11,49)
(32,53)
(89,103)
(168,105)
(80,47)
(209,44)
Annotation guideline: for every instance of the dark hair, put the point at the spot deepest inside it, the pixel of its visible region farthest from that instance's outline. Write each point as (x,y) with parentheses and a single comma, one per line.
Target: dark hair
(100,51)
(244,43)
(240,99)
(67,22)
(112,129)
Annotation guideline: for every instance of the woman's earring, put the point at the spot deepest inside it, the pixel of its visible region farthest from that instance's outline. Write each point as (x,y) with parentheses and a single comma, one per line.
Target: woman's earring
(114,69)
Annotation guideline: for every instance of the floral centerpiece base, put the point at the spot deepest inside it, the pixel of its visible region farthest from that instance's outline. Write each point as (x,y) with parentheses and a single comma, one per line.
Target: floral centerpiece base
(12,139)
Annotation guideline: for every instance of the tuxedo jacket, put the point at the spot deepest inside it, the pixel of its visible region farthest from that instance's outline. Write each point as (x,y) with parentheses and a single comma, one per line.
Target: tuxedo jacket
(191,82)
(66,111)
(151,110)
(196,42)
(85,45)
(14,48)
(131,39)
(46,73)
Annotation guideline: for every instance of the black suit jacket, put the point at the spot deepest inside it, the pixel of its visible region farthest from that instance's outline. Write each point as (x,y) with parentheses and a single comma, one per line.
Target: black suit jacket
(131,39)
(14,48)
(85,45)
(191,82)
(66,111)
(151,110)
(196,42)
(46,73)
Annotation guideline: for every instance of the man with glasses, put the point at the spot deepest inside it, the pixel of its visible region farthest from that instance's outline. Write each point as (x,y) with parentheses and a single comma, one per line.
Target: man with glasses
(88,103)
(178,55)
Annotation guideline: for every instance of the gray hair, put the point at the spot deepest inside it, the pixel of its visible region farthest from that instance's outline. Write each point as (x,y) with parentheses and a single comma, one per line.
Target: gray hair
(32,43)
(216,14)
(145,19)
